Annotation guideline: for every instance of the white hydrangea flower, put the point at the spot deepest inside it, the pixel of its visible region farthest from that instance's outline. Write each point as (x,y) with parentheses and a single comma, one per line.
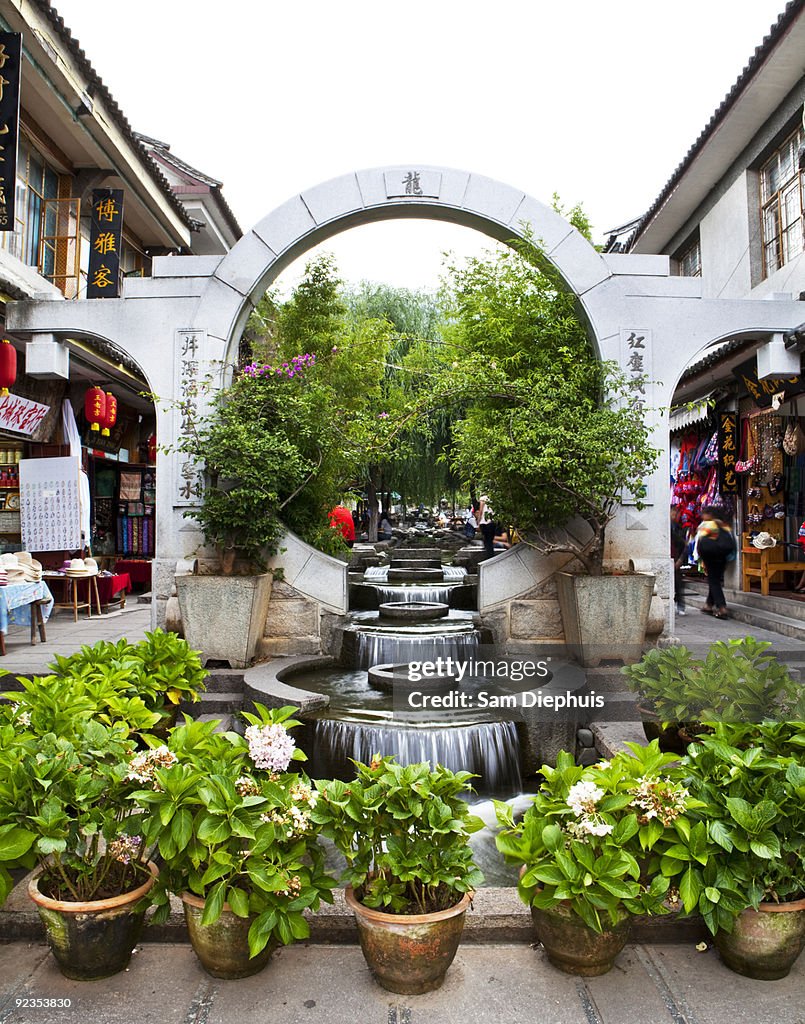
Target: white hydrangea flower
(270,746)
(583,797)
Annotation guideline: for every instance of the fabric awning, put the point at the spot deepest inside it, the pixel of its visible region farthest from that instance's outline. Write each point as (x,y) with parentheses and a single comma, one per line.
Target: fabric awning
(688,415)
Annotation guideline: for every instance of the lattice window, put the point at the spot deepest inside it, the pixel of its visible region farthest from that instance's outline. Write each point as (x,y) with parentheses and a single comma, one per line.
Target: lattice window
(690,261)
(781,186)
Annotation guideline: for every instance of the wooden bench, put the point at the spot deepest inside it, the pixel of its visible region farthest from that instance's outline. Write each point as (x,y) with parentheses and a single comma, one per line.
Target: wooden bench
(764,564)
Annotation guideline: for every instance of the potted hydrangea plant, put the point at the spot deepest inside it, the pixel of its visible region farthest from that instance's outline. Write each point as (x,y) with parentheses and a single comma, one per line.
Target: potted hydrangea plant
(597,847)
(234,830)
(404,831)
(64,806)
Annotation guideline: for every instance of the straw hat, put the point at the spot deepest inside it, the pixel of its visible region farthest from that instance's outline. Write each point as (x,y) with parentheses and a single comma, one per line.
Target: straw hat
(764,540)
(77,567)
(31,568)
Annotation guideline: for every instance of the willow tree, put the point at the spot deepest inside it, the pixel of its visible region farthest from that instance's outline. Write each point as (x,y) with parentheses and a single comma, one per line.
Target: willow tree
(546,427)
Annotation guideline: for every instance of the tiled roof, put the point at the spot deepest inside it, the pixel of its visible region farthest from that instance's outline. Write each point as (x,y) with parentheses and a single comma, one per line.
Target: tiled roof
(168,156)
(100,89)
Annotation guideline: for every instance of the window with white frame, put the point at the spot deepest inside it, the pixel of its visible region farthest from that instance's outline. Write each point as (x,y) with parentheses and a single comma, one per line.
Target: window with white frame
(690,260)
(781,193)
(36,182)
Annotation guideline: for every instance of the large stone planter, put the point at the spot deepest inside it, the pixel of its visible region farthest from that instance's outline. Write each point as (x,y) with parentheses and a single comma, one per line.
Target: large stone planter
(224,617)
(604,617)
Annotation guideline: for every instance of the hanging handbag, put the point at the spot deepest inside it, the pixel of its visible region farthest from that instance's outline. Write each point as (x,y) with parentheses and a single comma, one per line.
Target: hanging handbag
(794,438)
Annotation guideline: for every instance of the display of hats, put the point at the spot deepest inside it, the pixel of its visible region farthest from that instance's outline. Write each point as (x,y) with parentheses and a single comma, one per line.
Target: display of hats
(14,569)
(764,540)
(81,567)
(30,567)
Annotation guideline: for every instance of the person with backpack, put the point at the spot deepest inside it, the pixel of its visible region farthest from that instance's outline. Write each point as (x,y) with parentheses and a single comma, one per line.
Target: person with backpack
(715,546)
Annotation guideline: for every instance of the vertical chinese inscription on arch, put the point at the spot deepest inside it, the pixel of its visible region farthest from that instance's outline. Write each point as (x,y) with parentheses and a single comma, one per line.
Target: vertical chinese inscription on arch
(636,357)
(189,356)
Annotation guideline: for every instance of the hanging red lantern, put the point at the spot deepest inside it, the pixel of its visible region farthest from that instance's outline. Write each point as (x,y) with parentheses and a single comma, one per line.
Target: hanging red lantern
(152,448)
(8,365)
(110,417)
(95,407)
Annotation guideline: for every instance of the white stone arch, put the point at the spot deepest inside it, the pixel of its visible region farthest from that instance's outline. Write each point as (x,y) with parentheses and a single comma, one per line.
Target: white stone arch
(470,200)
(616,294)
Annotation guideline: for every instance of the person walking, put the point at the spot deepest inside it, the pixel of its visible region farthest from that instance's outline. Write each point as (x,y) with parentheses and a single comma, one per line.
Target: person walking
(679,548)
(487,525)
(715,546)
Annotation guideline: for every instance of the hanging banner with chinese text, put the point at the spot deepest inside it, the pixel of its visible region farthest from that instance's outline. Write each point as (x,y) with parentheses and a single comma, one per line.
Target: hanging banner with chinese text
(105,242)
(727,452)
(10,51)
(764,390)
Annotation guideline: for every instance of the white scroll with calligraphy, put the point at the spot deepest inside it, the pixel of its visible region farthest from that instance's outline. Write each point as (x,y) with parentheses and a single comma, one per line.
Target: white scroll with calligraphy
(50,506)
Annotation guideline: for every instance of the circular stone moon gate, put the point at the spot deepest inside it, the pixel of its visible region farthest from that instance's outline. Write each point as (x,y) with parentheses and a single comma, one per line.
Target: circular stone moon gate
(185,322)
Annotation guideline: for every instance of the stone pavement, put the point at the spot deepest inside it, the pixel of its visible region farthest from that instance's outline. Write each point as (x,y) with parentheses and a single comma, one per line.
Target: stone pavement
(490,984)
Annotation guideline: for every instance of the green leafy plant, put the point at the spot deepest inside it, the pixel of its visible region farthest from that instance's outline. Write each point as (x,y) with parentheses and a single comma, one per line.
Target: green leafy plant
(404,833)
(738,680)
(749,780)
(232,825)
(141,683)
(64,803)
(602,840)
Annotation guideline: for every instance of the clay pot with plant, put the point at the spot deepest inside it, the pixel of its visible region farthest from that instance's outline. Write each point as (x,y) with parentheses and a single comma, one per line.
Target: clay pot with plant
(404,832)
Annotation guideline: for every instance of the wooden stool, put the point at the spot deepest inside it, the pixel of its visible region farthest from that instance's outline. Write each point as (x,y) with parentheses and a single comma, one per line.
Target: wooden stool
(72,586)
(37,622)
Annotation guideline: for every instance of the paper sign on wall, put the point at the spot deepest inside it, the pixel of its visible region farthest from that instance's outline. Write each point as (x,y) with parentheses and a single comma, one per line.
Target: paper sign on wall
(49,504)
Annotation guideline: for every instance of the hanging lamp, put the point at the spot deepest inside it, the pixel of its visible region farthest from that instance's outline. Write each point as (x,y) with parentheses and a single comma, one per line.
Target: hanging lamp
(95,407)
(8,366)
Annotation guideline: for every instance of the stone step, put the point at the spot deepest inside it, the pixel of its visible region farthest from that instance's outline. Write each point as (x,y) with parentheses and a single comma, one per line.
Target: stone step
(498,916)
(225,680)
(225,722)
(216,704)
(785,625)
(144,598)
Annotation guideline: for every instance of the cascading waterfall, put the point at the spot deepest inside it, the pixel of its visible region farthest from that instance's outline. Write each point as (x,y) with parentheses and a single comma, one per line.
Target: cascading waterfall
(488,749)
(398,647)
(360,721)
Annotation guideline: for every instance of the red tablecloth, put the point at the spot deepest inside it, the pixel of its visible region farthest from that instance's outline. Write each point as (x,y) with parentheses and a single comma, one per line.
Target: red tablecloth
(138,569)
(109,586)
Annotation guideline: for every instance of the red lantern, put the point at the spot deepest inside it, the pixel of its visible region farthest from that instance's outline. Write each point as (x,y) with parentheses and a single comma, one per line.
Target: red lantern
(8,365)
(111,414)
(152,448)
(95,407)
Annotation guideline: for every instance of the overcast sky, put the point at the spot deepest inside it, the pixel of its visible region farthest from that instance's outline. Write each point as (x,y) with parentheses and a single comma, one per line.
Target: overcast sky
(596,101)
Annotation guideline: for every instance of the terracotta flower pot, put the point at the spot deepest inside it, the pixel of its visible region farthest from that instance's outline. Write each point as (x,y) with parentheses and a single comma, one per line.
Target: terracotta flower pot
(575,948)
(223,947)
(94,939)
(409,953)
(766,942)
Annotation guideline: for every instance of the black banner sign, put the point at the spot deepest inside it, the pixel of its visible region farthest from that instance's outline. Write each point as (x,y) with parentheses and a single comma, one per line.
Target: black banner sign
(105,242)
(763,390)
(727,452)
(10,52)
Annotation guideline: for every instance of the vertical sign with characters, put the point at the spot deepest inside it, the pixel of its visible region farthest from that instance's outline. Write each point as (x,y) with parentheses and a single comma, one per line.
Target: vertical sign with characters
(105,242)
(636,363)
(10,54)
(727,452)
(189,348)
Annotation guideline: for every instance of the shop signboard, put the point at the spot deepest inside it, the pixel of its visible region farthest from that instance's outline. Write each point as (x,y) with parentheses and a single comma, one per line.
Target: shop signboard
(10,63)
(21,415)
(727,452)
(50,505)
(763,391)
(105,242)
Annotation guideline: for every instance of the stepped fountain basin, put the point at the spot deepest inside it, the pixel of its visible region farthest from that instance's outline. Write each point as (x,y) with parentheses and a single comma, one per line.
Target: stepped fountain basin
(415,575)
(387,677)
(413,611)
(416,563)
